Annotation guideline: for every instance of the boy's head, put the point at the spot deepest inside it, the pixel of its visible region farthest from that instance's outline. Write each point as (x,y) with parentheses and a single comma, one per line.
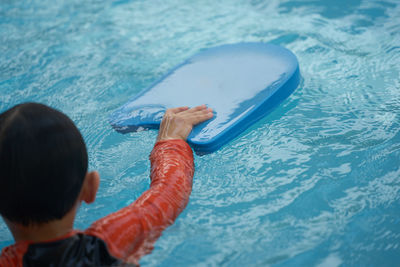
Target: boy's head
(43,163)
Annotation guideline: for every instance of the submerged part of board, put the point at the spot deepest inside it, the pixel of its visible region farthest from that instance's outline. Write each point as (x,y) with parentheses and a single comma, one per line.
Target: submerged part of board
(241,82)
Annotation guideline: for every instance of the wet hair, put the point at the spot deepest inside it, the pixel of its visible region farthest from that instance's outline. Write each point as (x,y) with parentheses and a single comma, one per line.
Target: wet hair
(43,162)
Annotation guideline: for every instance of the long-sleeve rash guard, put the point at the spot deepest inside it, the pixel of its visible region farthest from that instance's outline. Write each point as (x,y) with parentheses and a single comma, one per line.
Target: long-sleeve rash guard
(126,235)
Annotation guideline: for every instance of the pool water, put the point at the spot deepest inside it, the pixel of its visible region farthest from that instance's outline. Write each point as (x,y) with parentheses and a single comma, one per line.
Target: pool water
(315,183)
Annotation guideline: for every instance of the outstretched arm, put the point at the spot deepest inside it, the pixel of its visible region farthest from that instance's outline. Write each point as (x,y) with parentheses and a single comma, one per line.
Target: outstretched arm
(130,232)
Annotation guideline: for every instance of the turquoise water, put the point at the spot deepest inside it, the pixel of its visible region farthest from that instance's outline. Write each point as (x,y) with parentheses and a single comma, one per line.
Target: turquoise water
(316,183)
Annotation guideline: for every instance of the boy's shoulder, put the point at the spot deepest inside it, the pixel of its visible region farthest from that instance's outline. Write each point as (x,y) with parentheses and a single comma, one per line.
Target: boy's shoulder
(75,249)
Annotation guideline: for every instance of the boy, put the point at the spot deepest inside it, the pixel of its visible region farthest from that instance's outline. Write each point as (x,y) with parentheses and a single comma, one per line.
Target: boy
(44,178)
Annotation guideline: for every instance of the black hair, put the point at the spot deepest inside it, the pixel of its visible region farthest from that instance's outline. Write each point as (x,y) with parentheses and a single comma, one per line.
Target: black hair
(43,162)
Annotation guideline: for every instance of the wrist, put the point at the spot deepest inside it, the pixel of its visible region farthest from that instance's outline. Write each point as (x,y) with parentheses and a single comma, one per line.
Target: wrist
(165,138)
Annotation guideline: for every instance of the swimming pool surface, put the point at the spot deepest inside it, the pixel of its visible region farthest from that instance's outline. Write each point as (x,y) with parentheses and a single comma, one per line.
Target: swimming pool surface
(316,183)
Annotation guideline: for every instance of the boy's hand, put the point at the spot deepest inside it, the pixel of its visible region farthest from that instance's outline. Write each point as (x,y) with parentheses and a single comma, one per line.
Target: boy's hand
(177,123)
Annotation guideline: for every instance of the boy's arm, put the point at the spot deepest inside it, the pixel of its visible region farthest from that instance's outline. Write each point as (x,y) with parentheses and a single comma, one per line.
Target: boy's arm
(130,232)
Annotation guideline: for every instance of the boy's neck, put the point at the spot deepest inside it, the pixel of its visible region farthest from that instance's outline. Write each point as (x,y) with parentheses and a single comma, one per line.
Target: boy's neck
(44,231)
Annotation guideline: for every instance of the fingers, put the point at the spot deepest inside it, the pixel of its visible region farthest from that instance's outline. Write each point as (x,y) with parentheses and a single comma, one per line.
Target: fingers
(194,109)
(198,114)
(176,110)
(178,122)
(201,107)
(193,115)
(185,109)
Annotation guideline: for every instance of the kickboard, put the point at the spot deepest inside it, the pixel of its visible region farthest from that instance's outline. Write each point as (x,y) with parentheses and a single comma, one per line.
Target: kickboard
(242,83)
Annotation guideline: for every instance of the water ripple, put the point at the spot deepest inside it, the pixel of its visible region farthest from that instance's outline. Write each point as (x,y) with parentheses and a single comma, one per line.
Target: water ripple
(313,184)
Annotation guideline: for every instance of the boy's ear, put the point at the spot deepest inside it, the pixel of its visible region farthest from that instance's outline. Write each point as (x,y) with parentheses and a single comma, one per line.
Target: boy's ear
(90,187)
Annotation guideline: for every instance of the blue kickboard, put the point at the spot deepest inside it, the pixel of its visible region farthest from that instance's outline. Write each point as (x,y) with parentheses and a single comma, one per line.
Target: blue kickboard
(242,83)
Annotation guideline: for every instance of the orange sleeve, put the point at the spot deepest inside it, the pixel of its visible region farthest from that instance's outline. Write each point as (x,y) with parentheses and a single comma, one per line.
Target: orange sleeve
(130,232)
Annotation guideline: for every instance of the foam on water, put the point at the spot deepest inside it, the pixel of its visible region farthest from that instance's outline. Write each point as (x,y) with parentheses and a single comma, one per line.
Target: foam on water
(316,183)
